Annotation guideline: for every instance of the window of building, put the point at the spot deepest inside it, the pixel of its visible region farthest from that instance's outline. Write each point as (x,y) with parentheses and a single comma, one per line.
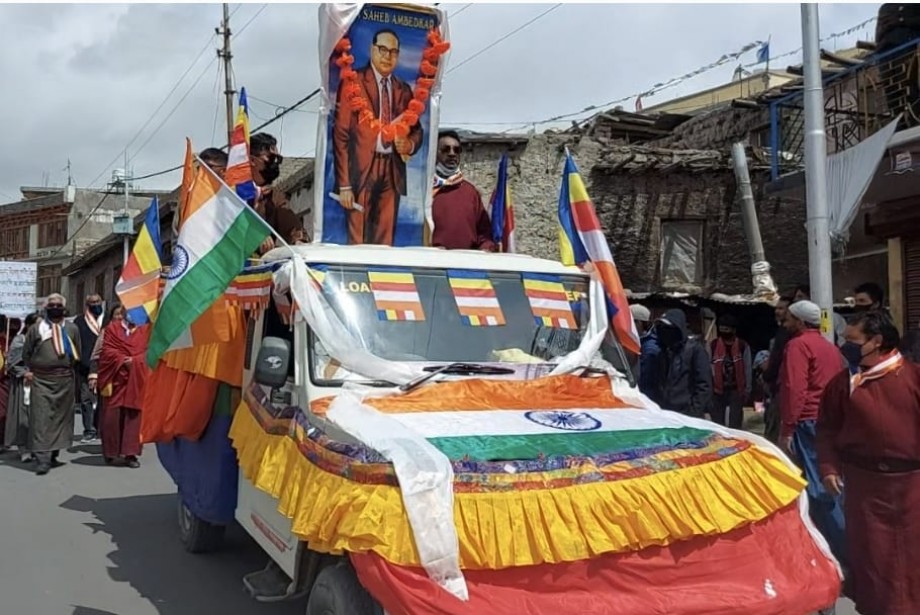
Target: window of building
(14,242)
(49,280)
(53,233)
(681,253)
(99,286)
(79,294)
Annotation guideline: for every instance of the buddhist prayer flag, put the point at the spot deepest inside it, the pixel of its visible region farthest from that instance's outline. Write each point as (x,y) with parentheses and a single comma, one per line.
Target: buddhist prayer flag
(239,170)
(476,298)
(586,241)
(138,286)
(503,210)
(395,295)
(251,289)
(219,233)
(549,302)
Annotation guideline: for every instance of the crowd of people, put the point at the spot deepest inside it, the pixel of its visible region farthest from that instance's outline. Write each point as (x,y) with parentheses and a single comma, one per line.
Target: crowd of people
(57,368)
(846,411)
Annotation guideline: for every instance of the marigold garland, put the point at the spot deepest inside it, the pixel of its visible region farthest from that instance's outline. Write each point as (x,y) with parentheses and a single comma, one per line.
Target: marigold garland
(353,93)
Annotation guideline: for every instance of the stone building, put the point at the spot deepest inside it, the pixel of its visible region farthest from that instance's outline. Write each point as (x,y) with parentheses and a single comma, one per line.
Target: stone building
(664,190)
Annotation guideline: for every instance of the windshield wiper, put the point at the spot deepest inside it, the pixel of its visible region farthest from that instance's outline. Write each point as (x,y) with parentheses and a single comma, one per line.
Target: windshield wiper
(465,369)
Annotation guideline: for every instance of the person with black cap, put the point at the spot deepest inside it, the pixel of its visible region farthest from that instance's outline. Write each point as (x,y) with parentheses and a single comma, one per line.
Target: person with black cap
(682,378)
(731,374)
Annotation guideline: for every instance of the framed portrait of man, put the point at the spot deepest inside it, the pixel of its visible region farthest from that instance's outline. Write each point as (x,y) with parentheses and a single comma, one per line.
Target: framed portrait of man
(378,124)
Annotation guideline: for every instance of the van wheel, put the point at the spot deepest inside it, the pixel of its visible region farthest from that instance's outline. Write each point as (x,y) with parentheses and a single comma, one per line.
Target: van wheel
(196,534)
(337,591)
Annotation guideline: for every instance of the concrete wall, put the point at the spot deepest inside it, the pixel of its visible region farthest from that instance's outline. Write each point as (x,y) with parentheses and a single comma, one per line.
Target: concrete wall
(98,224)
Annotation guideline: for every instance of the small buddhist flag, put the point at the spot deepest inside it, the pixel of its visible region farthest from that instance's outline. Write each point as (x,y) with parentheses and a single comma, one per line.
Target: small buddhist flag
(396,295)
(549,302)
(476,299)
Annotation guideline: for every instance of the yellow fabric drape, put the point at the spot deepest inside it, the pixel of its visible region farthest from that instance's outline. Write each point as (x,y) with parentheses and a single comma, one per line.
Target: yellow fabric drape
(500,529)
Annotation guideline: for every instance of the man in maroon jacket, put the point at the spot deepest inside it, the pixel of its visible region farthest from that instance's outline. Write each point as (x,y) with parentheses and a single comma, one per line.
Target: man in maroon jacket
(461,222)
(370,171)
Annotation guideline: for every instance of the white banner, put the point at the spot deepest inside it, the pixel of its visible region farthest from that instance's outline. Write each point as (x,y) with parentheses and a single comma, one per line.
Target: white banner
(17,288)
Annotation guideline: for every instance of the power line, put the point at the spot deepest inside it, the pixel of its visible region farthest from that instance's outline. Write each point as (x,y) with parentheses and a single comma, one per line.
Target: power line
(253,130)
(216,90)
(504,37)
(251,19)
(157,110)
(174,109)
(460,10)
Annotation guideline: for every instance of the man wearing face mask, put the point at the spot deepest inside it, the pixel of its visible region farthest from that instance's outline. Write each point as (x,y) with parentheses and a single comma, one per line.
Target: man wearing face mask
(683,379)
(270,203)
(869,442)
(89,324)
(731,374)
(461,222)
(50,351)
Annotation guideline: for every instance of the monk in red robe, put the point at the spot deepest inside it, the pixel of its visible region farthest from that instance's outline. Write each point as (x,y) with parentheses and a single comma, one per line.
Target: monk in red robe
(122,375)
(868,439)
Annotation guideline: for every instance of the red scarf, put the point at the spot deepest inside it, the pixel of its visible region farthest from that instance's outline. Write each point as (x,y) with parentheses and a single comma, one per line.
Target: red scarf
(719,356)
(126,379)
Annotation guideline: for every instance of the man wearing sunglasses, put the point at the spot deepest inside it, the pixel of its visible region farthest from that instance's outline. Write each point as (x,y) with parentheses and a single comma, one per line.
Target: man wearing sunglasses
(370,170)
(460,220)
(271,203)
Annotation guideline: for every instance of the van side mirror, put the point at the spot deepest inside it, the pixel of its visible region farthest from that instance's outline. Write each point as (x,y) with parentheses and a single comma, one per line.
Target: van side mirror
(273,362)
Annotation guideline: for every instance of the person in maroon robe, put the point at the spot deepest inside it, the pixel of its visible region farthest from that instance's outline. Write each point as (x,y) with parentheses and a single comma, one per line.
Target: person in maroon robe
(461,221)
(868,439)
(121,377)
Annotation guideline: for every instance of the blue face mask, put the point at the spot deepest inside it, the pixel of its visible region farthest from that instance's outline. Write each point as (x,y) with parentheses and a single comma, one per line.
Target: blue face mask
(853,353)
(95,310)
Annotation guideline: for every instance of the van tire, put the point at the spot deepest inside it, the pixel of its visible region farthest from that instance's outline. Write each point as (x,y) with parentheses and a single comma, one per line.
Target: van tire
(196,534)
(337,591)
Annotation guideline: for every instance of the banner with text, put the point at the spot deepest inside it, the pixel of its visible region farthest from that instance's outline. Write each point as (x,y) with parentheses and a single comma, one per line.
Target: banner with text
(381,68)
(17,288)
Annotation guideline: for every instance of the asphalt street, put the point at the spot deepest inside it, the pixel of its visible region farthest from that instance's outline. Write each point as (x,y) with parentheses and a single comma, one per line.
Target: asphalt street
(90,539)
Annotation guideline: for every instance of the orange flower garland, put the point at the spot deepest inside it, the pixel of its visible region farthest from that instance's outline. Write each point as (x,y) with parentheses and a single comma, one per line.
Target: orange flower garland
(354,94)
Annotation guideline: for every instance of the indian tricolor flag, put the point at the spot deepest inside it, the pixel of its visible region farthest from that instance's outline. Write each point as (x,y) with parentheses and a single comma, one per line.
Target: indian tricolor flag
(395,295)
(220,231)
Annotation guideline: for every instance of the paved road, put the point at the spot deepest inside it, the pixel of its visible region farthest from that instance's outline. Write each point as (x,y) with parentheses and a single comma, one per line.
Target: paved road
(88,539)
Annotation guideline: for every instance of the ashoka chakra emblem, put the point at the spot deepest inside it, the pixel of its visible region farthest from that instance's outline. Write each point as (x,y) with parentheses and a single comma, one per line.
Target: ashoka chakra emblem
(566,421)
(179,263)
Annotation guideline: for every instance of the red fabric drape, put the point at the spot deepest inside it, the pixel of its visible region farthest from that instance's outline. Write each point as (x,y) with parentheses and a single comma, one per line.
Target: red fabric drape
(176,404)
(772,567)
(126,378)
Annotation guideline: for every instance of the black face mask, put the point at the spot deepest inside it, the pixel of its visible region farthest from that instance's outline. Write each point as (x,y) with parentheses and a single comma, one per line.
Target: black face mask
(95,310)
(271,171)
(668,336)
(55,312)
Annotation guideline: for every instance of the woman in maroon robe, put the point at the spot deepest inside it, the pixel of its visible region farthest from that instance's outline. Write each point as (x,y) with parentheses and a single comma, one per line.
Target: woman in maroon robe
(868,441)
(122,374)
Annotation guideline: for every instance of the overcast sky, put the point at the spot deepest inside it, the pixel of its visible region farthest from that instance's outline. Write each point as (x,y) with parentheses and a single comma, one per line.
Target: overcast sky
(80,81)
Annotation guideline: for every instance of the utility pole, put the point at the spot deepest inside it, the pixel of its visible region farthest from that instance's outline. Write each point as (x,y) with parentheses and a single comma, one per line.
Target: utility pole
(228,73)
(819,238)
(127,239)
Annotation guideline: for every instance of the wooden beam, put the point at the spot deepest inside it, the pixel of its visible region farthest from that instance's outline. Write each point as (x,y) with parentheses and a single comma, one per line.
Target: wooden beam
(866,45)
(837,59)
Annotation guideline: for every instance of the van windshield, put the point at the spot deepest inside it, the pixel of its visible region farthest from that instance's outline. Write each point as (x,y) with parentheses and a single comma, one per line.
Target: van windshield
(446,316)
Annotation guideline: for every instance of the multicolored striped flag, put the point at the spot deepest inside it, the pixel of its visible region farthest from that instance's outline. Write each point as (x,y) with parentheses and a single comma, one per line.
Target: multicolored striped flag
(503,210)
(396,295)
(239,170)
(219,233)
(549,302)
(138,285)
(476,298)
(582,240)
